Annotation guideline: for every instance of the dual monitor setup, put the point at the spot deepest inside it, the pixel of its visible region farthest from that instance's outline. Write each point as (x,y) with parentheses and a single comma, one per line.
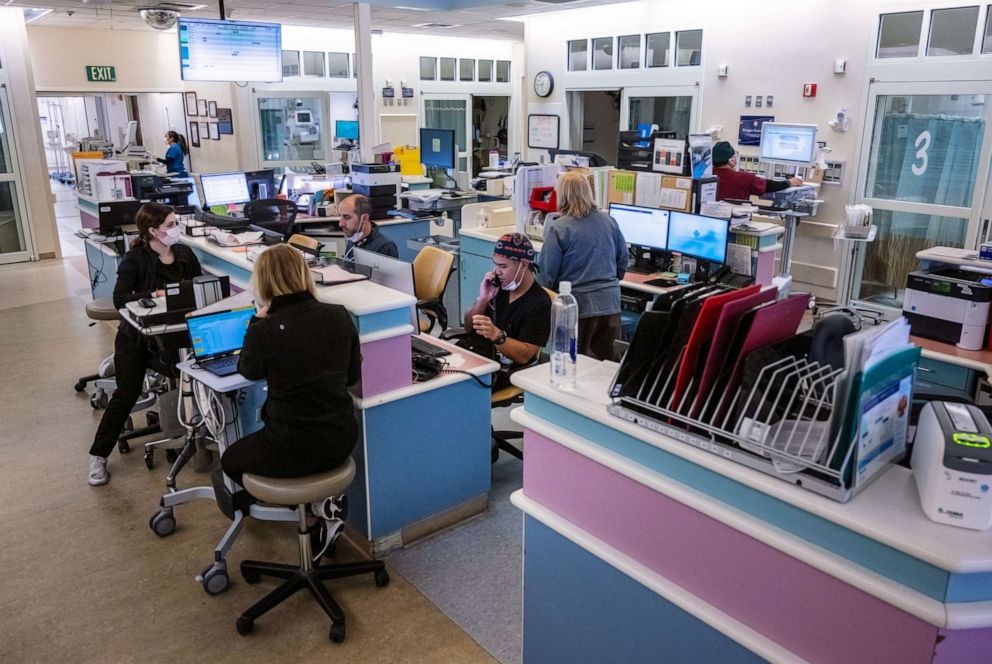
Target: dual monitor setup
(657,232)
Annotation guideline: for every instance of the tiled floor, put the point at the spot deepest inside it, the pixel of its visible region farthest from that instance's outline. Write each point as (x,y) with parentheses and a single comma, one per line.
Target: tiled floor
(85,580)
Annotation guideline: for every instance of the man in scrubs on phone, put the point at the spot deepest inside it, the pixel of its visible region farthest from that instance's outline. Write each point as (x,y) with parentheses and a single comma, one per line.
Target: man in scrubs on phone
(513,311)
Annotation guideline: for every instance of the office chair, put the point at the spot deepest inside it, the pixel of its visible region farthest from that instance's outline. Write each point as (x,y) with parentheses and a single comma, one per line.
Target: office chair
(274,214)
(103,381)
(432,269)
(300,492)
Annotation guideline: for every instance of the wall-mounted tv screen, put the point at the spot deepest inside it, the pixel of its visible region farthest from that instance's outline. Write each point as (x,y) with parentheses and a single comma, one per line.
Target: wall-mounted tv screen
(215,50)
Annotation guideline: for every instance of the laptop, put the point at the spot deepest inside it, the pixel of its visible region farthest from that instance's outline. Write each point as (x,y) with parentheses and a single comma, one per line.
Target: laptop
(217,339)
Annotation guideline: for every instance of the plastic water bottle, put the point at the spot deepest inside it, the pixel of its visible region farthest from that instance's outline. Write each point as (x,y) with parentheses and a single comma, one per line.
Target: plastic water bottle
(564,336)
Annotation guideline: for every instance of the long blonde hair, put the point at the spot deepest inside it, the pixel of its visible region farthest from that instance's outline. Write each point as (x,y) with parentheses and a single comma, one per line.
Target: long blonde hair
(574,195)
(281,270)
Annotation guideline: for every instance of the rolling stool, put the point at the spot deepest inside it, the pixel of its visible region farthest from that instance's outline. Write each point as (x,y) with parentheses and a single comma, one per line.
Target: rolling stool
(97,310)
(301,491)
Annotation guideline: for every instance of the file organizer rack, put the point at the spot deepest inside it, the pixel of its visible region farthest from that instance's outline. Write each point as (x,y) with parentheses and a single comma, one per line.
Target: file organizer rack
(787,424)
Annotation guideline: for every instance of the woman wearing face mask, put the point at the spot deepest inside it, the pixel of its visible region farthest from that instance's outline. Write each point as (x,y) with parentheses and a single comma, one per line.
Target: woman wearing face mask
(155,259)
(512,312)
(175,153)
(585,246)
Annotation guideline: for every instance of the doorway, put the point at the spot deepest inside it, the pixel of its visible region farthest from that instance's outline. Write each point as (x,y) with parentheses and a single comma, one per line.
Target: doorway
(67,118)
(490,130)
(923,173)
(594,121)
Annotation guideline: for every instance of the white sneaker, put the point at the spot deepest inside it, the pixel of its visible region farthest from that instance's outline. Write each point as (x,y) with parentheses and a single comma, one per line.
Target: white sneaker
(98,471)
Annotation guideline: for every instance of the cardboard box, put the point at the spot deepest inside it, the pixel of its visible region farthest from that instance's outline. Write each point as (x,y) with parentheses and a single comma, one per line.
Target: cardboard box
(622,186)
(676,193)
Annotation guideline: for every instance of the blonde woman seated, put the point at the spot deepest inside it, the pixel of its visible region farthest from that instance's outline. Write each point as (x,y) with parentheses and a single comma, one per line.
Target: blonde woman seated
(308,353)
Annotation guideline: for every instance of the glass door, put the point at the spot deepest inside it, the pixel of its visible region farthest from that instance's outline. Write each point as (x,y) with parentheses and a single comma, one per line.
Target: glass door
(452,111)
(924,168)
(671,108)
(15,245)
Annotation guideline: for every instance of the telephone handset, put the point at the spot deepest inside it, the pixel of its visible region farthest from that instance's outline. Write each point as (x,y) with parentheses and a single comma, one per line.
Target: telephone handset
(495,281)
(426,367)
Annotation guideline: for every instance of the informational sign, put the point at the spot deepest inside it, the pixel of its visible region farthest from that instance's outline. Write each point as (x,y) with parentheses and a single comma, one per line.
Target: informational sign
(669,155)
(749,132)
(101,73)
(225,121)
(213,50)
(543,131)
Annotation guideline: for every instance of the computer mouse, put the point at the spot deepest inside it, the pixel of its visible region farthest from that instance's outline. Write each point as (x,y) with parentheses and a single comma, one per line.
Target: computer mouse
(147,302)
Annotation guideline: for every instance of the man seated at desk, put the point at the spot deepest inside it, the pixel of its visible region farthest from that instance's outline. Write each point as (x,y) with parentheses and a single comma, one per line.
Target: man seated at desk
(741,185)
(355,212)
(513,312)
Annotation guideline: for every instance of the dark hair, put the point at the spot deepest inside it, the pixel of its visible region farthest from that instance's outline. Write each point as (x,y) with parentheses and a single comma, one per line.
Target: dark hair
(176,137)
(149,215)
(362,204)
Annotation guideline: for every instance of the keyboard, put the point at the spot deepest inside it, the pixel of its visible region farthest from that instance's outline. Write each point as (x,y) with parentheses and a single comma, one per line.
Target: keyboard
(661,282)
(221,366)
(427,348)
(735,280)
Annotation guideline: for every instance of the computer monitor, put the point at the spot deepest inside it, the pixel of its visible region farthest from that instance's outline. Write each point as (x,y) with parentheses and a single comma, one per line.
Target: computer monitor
(437,148)
(788,144)
(642,226)
(346,130)
(701,237)
(261,184)
(595,160)
(217,333)
(114,215)
(390,272)
(224,188)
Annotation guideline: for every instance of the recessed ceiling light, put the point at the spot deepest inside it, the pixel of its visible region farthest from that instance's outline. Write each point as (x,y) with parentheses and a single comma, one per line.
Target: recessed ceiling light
(437,26)
(412,9)
(32,14)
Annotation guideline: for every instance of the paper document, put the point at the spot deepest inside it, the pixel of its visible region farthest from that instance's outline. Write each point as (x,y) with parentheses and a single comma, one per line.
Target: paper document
(226,239)
(334,274)
(648,190)
(739,259)
(239,301)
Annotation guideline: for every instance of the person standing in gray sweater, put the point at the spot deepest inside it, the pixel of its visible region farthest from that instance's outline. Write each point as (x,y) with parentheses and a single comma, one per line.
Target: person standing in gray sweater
(585,246)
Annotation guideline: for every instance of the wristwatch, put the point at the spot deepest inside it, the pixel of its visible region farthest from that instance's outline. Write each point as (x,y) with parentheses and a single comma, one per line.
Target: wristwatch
(500,338)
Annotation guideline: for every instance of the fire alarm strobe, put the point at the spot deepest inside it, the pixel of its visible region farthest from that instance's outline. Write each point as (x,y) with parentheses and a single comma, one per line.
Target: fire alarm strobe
(809,89)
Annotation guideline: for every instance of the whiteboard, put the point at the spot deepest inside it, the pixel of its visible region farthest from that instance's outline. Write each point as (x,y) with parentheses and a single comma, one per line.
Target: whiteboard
(543,131)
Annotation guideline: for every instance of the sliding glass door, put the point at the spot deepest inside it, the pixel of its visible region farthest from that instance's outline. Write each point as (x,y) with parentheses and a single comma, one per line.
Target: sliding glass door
(14,243)
(924,172)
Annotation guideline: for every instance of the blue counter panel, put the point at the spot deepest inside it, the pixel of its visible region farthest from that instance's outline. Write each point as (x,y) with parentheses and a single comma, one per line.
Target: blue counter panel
(400,233)
(578,608)
(912,572)
(427,453)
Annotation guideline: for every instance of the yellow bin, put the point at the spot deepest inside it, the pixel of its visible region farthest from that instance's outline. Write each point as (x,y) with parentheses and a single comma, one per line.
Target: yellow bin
(409,160)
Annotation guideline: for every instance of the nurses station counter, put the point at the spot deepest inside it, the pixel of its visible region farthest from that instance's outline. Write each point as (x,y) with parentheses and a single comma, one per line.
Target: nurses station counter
(424,448)
(636,543)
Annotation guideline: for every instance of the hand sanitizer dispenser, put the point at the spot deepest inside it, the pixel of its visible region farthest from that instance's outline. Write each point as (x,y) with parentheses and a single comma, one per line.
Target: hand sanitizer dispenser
(952,464)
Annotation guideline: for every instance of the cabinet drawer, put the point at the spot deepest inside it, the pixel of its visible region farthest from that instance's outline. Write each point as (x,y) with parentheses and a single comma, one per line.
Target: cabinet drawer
(948,375)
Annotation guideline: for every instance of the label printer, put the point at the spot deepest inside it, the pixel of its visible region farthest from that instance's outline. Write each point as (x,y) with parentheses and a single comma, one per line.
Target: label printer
(949,305)
(952,464)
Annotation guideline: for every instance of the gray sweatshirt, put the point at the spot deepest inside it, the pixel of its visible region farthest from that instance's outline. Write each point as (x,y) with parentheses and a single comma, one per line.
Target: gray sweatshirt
(589,252)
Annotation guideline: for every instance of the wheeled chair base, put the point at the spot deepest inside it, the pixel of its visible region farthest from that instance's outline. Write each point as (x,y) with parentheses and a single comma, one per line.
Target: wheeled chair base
(296,578)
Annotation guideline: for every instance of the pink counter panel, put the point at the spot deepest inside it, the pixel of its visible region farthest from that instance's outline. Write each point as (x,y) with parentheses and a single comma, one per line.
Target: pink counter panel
(816,616)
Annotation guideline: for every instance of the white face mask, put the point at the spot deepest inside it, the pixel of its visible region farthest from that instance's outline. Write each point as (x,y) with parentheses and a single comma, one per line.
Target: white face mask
(514,283)
(358,235)
(170,236)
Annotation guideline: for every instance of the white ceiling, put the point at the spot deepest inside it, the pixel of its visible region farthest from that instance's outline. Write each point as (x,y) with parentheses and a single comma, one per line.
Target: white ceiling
(473,22)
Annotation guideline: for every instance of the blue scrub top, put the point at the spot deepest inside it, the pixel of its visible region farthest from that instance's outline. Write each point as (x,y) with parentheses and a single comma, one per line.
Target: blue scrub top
(174,160)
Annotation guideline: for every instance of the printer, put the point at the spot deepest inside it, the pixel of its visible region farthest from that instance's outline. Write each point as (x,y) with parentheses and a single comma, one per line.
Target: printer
(952,464)
(949,305)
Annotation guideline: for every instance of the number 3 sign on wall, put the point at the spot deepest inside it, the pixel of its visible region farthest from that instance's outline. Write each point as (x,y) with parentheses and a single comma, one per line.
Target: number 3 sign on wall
(922,142)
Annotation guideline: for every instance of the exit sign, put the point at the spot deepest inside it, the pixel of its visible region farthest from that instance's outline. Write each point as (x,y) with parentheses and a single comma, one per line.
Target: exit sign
(101,73)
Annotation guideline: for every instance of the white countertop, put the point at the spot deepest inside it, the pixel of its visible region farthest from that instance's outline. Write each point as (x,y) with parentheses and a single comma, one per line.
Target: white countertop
(361,298)
(887,511)
(954,256)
